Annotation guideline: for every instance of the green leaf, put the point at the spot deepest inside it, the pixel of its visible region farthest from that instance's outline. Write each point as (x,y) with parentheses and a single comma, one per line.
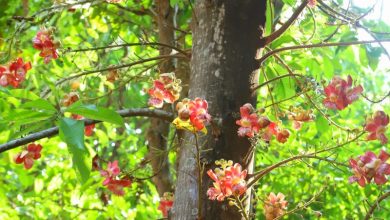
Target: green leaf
(41,104)
(23,94)
(96,113)
(322,124)
(269,17)
(72,133)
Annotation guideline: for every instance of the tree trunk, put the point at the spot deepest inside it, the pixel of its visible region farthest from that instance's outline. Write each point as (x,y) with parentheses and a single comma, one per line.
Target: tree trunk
(158,131)
(226,36)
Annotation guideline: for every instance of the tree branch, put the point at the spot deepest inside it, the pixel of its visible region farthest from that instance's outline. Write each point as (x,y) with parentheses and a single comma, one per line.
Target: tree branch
(146,112)
(273,36)
(376,204)
(297,47)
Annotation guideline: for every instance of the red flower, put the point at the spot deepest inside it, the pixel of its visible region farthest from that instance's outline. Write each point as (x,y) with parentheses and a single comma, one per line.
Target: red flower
(368,167)
(376,126)
(250,123)
(273,129)
(274,206)
(43,41)
(27,157)
(15,73)
(166,203)
(229,180)
(112,171)
(116,186)
(111,180)
(339,93)
(198,113)
(167,88)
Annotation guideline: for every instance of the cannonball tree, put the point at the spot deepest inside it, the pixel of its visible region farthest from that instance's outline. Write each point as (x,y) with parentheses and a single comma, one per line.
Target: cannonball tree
(204,109)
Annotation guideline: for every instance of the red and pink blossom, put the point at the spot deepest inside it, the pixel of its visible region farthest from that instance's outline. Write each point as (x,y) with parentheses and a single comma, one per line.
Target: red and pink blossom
(112,181)
(15,73)
(165,89)
(368,167)
(228,180)
(376,126)
(44,42)
(274,206)
(27,156)
(340,93)
(250,123)
(166,203)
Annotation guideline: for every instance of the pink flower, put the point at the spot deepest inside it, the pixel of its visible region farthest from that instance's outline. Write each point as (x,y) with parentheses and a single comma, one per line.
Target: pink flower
(198,113)
(300,115)
(166,203)
(111,180)
(312,3)
(43,41)
(15,73)
(339,93)
(112,171)
(274,206)
(250,123)
(228,181)
(368,167)
(27,157)
(376,126)
(166,89)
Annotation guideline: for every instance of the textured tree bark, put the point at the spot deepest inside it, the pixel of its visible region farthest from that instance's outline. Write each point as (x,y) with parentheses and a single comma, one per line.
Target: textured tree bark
(226,36)
(158,131)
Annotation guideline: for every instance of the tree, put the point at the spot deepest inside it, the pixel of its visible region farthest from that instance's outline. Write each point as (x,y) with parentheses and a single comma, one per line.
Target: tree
(286,116)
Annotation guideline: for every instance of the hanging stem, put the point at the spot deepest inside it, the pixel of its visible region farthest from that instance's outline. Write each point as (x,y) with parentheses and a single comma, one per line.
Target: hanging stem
(241,207)
(200,174)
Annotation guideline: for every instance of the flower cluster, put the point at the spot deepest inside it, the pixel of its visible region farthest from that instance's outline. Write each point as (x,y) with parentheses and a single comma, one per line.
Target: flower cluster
(112,182)
(70,98)
(166,203)
(228,180)
(44,42)
(14,73)
(250,123)
(376,126)
(27,156)
(167,88)
(274,206)
(88,130)
(300,115)
(340,93)
(273,129)
(192,115)
(368,167)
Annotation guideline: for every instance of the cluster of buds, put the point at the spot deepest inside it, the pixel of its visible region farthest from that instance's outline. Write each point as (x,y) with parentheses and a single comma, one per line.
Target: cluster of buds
(14,73)
(340,93)
(165,89)
(192,115)
(368,167)
(274,206)
(112,75)
(299,115)
(112,181)
(166,203)
(70,98)
(376,126)
(27,156)
(228,180)
(44,42)
(250,123)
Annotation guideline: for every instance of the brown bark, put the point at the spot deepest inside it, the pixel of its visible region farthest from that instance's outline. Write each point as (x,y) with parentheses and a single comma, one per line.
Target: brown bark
(158,131)
(226,35)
